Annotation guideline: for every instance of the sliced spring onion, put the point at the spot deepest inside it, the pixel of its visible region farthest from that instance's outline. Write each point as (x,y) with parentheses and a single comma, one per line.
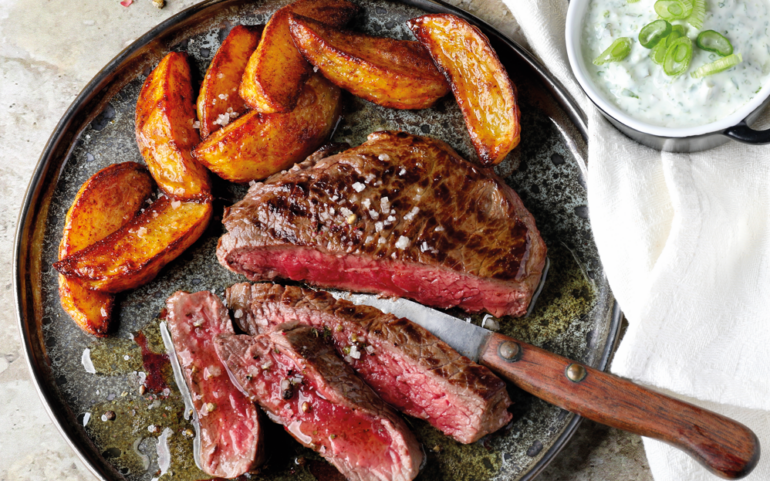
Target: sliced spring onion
(673,9)
(658,52)
(712,41)
(654,32)
(678,57)
(718,66)
(616,52)
(698,14)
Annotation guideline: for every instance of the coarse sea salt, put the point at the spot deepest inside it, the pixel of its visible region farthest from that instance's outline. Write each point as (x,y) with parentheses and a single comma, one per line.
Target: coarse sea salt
(222,119)
(358,187)
(402,242)
(412,213)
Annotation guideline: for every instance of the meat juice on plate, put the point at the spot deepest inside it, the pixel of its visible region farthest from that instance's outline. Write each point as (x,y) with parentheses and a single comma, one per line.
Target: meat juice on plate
(642,89)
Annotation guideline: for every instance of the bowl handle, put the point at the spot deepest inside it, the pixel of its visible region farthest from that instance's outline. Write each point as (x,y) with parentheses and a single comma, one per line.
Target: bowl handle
(743,133)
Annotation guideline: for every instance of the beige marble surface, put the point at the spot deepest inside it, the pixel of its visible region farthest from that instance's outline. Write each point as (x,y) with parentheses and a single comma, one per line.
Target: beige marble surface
(49,50)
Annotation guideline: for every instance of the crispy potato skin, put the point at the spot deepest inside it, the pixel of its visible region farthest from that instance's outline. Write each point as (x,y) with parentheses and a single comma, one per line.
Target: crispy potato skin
(104,203)
(479,82)
(165,133)
(133,255)
(276,71)
(393,73)
(219,89)
(258,145)
(91,310)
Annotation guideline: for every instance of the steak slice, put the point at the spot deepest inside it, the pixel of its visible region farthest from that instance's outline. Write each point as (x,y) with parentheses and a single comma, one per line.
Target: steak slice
(400,215)
(229,434)
(410,368)
(301,382)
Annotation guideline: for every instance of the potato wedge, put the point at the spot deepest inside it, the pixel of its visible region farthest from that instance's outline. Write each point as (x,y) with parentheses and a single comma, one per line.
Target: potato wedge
(133,255)
(218,96)
(164,130)
(104,203)
(258,145)
(276,71)
(393,73)
(479,82)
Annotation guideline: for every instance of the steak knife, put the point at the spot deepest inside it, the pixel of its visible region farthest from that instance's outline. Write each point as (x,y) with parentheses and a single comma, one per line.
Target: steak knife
(724,446)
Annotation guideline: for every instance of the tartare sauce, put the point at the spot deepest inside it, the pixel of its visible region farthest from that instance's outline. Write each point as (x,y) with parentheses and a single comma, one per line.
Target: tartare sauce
(641,88)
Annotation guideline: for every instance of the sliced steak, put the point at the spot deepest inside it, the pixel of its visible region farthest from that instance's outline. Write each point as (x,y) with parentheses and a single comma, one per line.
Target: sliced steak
(400,215)
(301,382)
(410,368)
(229,432)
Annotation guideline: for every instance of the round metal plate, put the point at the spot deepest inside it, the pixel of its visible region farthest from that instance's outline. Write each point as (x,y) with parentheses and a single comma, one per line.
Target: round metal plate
(575,316)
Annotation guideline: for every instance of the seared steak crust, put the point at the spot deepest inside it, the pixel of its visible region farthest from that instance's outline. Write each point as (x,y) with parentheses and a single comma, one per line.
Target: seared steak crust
(401,215)
(302,384)
(410,368)
(230,436)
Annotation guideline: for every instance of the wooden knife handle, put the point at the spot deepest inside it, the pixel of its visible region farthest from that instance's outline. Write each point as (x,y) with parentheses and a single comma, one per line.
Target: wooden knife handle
(726,447)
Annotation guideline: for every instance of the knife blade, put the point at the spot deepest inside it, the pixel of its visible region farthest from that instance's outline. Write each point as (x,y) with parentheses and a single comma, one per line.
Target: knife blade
(724,446)
(464,337)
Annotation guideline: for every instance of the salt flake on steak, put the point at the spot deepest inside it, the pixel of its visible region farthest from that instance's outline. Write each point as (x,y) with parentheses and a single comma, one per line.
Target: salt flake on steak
(402,243)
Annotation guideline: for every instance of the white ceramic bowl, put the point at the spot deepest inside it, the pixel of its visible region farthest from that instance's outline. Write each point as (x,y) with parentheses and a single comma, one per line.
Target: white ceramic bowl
(676,139)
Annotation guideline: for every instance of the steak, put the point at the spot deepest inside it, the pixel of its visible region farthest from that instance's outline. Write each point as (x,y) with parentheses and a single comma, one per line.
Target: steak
(301,382)
(229,436)
(410,368)
(400,215)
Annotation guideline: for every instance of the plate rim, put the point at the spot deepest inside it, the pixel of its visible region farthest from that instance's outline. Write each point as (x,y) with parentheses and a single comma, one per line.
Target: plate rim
(35,190)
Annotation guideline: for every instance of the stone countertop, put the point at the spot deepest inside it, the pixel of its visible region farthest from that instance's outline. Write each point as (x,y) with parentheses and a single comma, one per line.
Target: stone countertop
(49,50)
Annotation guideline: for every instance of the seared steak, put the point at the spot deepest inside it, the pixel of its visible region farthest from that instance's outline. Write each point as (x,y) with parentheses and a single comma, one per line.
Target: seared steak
(410,368)
(301,383)
(400,215)
(229,432)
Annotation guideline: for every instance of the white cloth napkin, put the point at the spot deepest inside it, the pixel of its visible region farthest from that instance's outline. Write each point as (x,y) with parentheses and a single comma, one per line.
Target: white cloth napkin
(685,242)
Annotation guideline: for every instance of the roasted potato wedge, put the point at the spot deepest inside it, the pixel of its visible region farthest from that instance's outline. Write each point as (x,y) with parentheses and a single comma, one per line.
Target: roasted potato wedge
(104,203)
(276,71)
(258,145)
(164,130)
(479,82)
(133,255)
(218,100)
(393,73)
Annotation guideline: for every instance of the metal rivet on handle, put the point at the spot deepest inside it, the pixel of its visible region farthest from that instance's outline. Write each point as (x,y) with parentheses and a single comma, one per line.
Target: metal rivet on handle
(510,351)
(576,372)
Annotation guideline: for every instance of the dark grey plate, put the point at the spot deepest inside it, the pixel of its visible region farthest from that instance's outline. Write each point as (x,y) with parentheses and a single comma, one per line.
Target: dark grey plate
(575,315)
